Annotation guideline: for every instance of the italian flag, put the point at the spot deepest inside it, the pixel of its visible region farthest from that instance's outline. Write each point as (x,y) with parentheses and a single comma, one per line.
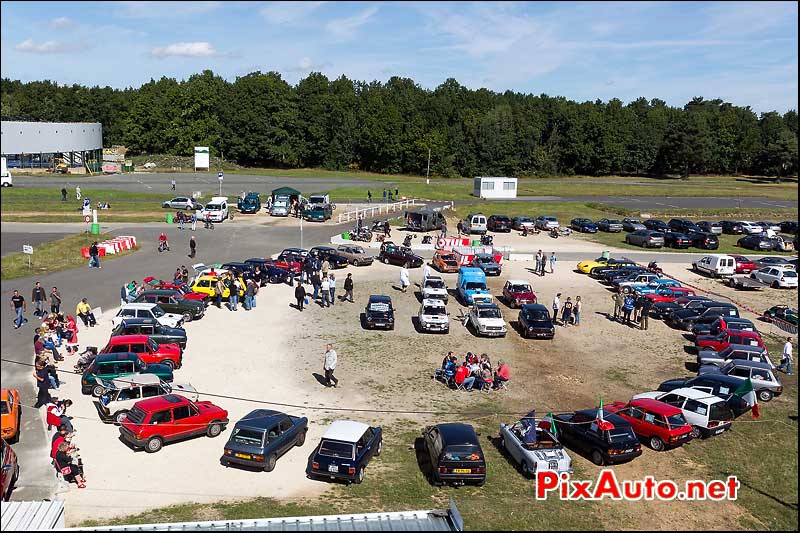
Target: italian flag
(553,429)
(746,392)
(601,422)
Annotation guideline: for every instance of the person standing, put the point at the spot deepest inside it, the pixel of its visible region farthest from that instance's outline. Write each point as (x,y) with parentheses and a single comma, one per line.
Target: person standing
(386,231)
(84,311)
(404,279)
(539,259)
(184,274)
(332,288)
(42,376)
(194,220)
(627,309)
(326,292)
(173,184)
(55,300)
(19,306)
(566,312)
(316,283)
(556,306)
(786,357)
(78,192)
(637,308)
(647,304)
(618,301)
(348,288)
(577,310)
(443,229)
(219,290)
(384,195)
(330,365)
(553,263)
(300,295)
(325,267)
(233,299)
(369,196)
(38,297)
(248,294)
(94,255)
(192,247)
(63,194)
(180,220)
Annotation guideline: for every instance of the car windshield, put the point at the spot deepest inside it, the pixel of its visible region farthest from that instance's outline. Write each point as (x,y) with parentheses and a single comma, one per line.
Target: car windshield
(213,207)
(332,448)
(158,312)
(380,307)
(475,285)
(462,453)
(520,288)
(448,257)
(620,435)
(434,284)
(537,315)
(523,219)
(434,310)
(280,203)
(136,415)
(153,344)
(491,312)
(248,437)
(676,420)
(4,408)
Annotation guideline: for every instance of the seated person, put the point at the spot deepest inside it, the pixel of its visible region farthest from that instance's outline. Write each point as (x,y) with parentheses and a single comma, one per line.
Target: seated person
(502,375)
(446,359)
(461,375)
(485,379)
(471,358)
(73,473)
(485,362)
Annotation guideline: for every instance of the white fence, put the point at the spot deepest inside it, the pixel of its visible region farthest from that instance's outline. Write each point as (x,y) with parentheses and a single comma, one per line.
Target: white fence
(377,209)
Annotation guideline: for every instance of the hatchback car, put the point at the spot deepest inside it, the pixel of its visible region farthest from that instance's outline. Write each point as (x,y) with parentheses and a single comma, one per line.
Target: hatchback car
(546,223)
(147,310)
(499,223)
(333,257)
(743,264)
(153,329)
(486,263)
(345,450)
(743,352)
(148,349)
(445,261)
(399,255)
(379,313)
(715,384)
(683,225)
(776,277)
(709,415)
(261,437)
(120,395)
(756,242)
(645,238)
(765,382)
(632,224)
(581,431)
(704,240)
(10,415)
(535,322)
(517,293)
(519,223)
(609,225)
(455,454)
(173,301)
(433,316)
(729,227)
(113,365)
(710,227)
(656,225)
(673,239)
(355,254)
(661,425)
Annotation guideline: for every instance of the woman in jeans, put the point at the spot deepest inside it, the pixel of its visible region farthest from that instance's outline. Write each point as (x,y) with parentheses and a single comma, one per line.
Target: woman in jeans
(577,310)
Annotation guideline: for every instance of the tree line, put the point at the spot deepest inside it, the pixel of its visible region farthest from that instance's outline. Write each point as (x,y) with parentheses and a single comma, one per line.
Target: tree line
(261,120)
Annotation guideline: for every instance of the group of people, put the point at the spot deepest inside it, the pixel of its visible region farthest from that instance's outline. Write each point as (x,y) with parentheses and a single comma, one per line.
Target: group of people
(632,309)
(317,273)
(570,310)
(542,261)
(474,373)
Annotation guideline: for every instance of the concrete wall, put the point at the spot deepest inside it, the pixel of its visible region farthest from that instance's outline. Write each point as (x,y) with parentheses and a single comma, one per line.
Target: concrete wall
(49,137)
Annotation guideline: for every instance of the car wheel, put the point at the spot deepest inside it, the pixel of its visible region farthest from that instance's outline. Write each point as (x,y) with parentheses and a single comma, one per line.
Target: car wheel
(379,449)
(153,445)
(765,395)
(752,276)
(187,317)
(656,443)
(170,363)
(97,391)
(597,457)
(301,438)
(406,265)
(272,460)
(119,416)
(776,285)
(526,470)
(386,260)
(696,434)
(359,476)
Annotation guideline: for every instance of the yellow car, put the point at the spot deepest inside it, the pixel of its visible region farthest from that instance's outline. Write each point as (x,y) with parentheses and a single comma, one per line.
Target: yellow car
(589,264)
(208,284)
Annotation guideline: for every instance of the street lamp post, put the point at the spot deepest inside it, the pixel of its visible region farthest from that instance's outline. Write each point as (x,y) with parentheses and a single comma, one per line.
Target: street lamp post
(428,172)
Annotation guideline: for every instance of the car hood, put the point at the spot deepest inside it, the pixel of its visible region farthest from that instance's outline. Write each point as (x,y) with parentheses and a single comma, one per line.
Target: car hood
(523,295)
(491,321)
(431,290)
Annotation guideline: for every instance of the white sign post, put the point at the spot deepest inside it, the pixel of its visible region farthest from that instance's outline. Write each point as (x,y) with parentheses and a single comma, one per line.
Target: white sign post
(87,219)
(220,177)
(201,158)
(28,249)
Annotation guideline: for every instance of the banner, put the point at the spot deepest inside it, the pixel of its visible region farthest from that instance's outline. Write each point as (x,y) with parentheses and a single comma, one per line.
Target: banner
(201,157)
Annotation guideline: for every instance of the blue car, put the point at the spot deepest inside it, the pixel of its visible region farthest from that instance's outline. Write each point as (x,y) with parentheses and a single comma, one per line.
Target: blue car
(583,225)
(272,273)
(258,439)
(345,451)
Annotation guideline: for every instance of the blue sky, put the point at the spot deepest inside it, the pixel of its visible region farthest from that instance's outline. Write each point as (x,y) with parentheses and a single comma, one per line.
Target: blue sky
(741,52)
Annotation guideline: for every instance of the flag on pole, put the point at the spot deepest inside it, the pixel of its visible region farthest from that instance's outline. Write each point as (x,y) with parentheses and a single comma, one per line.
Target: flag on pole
(529,422)
(748,394)
(601,421)
(553,429)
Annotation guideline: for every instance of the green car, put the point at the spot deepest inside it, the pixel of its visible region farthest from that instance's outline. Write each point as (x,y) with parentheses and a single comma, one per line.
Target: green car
(318,213)
(782,312)
(173,301)
(113,365)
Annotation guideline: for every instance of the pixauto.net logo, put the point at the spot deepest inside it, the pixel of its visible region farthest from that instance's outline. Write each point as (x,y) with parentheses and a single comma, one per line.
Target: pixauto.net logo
(608,486)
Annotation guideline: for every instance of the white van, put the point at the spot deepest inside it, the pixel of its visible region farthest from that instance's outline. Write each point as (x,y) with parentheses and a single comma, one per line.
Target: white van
(709,415)
(474,223)
(5,175)
(716,265)
(217,208)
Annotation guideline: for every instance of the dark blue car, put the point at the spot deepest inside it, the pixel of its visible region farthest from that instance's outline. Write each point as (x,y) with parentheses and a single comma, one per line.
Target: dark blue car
(271,273)
(344,451)
(583,225)
(258,439)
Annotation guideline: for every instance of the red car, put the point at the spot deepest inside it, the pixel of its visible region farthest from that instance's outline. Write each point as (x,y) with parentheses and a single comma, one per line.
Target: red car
(744,265)
(10,470)
(669,294)
(289,260)
(727,337)
(147,349)
(183,288)
(657,423)
(151,423)
(517,293)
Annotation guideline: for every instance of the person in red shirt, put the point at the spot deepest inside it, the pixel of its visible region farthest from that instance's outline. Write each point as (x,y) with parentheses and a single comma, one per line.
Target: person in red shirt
(461,374)
(722,324)
(502,374)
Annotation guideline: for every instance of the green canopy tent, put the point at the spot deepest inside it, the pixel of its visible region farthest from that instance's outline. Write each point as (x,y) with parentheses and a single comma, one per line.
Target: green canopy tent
(285,191)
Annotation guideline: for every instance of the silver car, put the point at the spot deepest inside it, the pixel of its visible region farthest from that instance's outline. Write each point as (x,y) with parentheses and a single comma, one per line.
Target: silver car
(765,384)
(645,238)
(355,254)
(547,223)
(543,453)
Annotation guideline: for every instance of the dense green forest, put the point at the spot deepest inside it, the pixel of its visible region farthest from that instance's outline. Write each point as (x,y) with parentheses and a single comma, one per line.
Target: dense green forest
(261,120)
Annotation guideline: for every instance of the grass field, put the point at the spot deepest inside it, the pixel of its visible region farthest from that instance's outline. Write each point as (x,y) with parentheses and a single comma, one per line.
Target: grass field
(55,256)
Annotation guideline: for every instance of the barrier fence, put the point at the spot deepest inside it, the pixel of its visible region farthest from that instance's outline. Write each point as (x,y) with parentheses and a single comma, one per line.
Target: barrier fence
(377,209)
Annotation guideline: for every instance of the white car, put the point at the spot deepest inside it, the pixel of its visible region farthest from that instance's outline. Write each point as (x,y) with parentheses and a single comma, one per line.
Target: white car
(180,202)
(121,394)
(145,310)
(485,317)
(547,223)
(544,453)
(433,316)
(750,227)
(434,287)
(776,277)
(709,415)
(217,208)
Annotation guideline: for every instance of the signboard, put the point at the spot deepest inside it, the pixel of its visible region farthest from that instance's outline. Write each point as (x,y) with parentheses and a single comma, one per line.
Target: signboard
(27,249)
(87,218)
(201,157)
(220,176)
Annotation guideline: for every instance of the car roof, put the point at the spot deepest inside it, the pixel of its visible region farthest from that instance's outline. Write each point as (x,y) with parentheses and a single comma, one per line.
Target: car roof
(752,364)
(138,305)
(697,395)
(745,347)
(379,298)
(455,434)
(345,430)
(533,307)
(656,406)
(136,379)
(131,321)
(744,333)
(518,282)
(433,302)
(609,417)
(125,356)
(162,402)
(120,339)
(719,378)
(261,419)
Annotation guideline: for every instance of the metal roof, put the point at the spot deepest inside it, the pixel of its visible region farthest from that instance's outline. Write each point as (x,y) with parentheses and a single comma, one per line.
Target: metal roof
(32,516)
(345,430)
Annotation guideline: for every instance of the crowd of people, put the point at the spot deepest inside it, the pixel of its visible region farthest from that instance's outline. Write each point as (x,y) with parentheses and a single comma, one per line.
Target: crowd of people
(570,310)
(632,309)
(473,373)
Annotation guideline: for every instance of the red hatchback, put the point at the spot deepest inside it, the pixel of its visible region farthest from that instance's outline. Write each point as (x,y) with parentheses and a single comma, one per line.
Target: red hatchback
(669,294)
(147,349)
(659,424)
(727,337)
(744,265)
(151,423)
(183,288)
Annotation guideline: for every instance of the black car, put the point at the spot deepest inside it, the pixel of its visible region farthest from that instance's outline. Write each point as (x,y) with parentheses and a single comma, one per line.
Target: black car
(379,313)
(345,451)
(535,322)
(455,454)
(607,276)
(756,242)
(263,435)
(244,269)
(498,223)
(335,259)
(664,309)
(583,225)
(656,225)
(598,271)
(269,272)
(581,432)
(710,227)
(789,226)
(685,318)
(173,301)
(683,225)
(704,240)
(610,225)
(720,385)
(487,263)
(673,239)
(399,255)
(153,329)
(730,227)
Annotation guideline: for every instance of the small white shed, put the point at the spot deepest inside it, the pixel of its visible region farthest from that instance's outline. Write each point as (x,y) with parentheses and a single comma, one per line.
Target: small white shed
(495,187)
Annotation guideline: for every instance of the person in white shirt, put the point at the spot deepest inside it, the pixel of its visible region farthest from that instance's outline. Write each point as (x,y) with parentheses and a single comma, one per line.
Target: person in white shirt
(404,279)
(786,358)
(426,272)
(330,365)
(556,306)
(326,292)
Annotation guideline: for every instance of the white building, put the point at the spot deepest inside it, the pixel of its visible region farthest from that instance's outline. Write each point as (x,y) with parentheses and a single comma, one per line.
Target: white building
(34,144)
(500,187)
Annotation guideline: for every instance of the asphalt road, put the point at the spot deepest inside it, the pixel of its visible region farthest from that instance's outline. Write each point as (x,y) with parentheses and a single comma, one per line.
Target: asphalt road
(12,242)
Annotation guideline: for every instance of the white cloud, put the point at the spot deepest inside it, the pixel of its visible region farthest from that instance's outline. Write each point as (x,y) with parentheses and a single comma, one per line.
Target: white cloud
(49,47)
(61,22)
(198,49)
(344,29)
(289,12)
(160,10)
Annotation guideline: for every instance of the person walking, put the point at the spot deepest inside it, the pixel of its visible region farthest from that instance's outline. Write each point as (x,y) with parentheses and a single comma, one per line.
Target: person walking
(553,263)
(556,307)
(63,194)
(84,311)
(404,279)
(786,357)
(330,365)
(326,292)
(173,184)
(566,312)
(348,288)
(332,287)
(300,295)
(369,196)
(647,304)
(618,301)
(577,310)
(77,192)
(387,232)
(194,220)
(55,300)
(192,247)
(42,376)
(384,195)
(94,256)
(38,297)
(19,306)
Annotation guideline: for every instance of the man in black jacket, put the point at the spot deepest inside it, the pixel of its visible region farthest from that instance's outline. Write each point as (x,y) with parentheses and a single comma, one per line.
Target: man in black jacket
(300,295)
(348,289)
(38,297)
(94,254)
(647,304)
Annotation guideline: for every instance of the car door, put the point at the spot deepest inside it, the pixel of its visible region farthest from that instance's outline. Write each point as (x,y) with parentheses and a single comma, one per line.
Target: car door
(287,435)
(106,370)
(122,347)
(187,420)
(273,440)
(431,438)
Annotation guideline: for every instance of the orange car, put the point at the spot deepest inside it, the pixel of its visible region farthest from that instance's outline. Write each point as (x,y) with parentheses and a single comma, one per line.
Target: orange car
(10,413)
(444,261)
